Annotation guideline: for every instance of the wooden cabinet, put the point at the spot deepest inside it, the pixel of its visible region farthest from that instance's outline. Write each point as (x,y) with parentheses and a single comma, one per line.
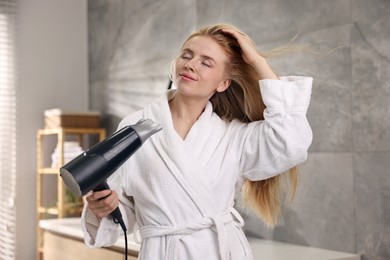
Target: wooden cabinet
(64,240)
(60,208)
(59,247)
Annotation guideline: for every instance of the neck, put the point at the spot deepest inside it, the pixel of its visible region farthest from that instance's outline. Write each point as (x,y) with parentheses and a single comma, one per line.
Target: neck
(185,111)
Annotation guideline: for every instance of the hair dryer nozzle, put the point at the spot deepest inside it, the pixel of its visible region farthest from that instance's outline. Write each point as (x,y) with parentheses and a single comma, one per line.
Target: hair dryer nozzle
(70,182)
(146,128)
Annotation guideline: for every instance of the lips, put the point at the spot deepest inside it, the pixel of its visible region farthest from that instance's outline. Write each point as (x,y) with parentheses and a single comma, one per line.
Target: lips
(186,76)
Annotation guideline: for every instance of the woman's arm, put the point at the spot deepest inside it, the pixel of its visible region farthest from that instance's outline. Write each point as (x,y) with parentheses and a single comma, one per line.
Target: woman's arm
(281,141)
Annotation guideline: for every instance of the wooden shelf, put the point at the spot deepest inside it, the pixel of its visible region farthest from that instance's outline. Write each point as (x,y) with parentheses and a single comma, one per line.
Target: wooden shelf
(71,131)
(51,211)
(62,208)
(48,171)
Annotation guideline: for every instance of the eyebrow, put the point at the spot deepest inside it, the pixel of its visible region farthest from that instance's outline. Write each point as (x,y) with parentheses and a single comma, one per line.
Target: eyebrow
(203,56)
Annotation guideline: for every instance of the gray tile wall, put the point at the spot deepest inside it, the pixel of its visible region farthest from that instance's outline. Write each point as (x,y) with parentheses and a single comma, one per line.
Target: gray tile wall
(344,197)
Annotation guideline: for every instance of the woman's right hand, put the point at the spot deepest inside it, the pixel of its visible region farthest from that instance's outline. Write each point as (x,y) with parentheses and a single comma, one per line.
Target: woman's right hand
(102,203)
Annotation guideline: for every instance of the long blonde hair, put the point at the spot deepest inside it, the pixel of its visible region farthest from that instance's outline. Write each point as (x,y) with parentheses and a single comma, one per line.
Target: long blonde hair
(242,100)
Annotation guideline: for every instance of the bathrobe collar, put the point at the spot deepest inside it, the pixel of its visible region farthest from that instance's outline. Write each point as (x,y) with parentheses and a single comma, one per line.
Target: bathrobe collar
(187,158)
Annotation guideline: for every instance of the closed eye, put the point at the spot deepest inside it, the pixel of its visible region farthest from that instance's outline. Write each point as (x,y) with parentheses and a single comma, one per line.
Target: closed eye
(186,55)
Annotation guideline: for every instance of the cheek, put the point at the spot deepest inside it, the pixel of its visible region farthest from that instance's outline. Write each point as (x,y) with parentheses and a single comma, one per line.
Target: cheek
(176,68)
(216,76)
(179,64)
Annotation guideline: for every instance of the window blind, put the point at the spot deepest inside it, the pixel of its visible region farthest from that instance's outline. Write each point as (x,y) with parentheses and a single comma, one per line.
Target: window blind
(8,26)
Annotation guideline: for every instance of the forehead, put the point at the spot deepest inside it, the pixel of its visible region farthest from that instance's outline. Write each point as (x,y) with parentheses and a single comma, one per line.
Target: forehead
(206,46)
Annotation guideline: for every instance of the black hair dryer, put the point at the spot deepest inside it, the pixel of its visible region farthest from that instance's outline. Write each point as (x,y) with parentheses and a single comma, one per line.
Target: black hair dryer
(90,170)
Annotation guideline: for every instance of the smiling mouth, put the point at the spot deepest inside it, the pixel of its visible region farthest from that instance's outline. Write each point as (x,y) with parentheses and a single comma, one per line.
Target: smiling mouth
(187,77)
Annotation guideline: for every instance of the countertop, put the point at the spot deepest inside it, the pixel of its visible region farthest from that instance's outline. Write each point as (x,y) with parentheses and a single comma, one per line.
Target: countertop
(262,249)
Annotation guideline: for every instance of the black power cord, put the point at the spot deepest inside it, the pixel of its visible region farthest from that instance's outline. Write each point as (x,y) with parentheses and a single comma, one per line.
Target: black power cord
(123,226)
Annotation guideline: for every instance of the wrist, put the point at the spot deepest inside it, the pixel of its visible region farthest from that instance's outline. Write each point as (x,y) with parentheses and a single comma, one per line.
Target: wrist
(263,69)
(260,63)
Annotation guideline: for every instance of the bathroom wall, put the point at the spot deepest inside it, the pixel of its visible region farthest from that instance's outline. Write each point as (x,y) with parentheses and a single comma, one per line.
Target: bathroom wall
(343,199)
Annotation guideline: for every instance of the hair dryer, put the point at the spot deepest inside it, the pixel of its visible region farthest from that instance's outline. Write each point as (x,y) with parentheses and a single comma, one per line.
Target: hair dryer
(90,170)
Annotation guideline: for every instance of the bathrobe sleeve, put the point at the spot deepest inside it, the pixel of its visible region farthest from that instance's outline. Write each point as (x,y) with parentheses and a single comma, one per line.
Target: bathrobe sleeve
(280,141)
(104,232)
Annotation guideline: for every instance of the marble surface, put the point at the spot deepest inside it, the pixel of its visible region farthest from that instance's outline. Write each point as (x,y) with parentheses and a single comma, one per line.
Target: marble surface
(370,54)
(131,44)
(372,203)
(323,205)
(262,249)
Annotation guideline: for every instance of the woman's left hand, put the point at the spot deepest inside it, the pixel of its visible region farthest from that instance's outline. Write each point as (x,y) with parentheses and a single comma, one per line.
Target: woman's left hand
(251,55)
(249,51)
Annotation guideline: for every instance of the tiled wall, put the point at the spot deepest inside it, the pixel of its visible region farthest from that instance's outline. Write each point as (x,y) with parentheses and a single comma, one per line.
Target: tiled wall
(344,197)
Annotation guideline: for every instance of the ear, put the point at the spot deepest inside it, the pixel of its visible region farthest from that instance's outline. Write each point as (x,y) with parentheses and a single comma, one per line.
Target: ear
(224,85)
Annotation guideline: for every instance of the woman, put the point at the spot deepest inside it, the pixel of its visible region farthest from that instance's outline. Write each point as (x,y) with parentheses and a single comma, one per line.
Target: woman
(217,137)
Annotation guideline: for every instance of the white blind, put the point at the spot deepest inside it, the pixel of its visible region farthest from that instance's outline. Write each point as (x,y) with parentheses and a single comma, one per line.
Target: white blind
(8,18)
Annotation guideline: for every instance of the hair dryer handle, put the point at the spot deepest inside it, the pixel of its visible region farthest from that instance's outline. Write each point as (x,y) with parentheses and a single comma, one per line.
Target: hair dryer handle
(116,214)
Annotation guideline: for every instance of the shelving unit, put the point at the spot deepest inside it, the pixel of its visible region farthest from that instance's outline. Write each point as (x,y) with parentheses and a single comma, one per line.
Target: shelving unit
(62,208)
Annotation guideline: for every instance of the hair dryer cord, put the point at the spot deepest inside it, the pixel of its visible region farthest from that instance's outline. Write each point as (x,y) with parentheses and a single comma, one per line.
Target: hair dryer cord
(123,226)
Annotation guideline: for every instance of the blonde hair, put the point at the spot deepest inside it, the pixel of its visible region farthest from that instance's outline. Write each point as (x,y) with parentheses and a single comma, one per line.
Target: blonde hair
(242,100)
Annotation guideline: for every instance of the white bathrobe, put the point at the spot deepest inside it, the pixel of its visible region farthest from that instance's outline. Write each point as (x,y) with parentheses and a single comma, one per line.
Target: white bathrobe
(180,193)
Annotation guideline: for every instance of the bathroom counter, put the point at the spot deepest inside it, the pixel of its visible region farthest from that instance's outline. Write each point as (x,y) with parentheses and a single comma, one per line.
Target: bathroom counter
(273,250)
(69,228)
(63,239)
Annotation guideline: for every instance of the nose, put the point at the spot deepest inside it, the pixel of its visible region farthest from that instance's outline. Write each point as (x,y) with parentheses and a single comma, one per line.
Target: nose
(189,66)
